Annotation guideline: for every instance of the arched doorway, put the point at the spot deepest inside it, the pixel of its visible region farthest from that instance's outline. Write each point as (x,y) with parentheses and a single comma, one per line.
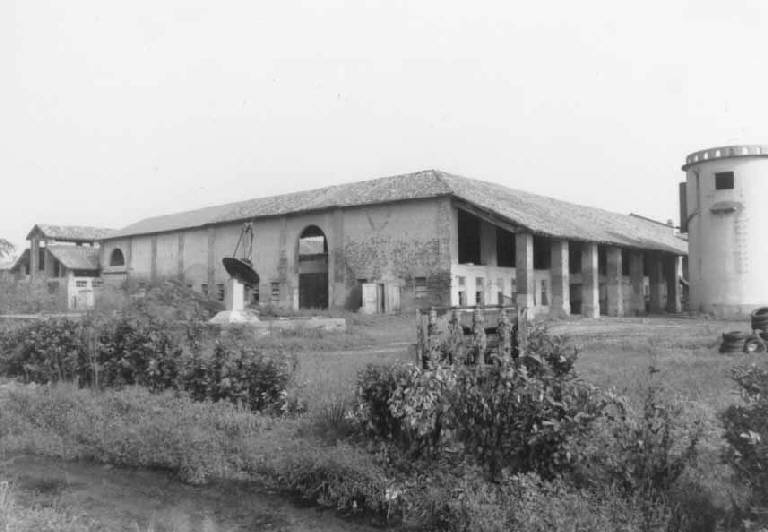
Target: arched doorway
(117,259)
(313,268)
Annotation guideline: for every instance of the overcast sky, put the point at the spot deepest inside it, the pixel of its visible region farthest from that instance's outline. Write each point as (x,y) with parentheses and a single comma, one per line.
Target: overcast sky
(114,111)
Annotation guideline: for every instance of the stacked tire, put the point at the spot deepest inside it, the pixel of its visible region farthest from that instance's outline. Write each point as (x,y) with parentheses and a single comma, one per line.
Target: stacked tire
(733,342)
(760,320)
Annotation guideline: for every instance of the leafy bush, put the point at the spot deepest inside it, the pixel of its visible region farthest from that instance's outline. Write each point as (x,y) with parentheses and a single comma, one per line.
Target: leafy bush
(746,431)
(376,387)
(504,416)
(640,452)
(44,351)
(244,376)
(129,350)
(513,421)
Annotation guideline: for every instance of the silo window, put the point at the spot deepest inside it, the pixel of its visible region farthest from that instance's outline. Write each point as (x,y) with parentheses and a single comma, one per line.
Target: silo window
(723,180)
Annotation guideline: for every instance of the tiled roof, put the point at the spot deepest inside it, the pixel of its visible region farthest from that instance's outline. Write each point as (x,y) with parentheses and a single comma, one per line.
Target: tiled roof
(70,233)
(76,257)
(538,214)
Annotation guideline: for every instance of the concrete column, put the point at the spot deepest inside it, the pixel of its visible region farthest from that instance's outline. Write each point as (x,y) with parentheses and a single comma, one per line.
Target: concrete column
(590,283)
(673,267)
(637,304)
(524,269)
(656,281)
(34,257)
(561,280)
(614,285)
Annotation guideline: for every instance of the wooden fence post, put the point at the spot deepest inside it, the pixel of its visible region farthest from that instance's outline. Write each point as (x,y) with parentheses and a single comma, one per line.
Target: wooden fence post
(455,337)
(432,338)
(479,340)
(419,337)
(522,331)
(505,337)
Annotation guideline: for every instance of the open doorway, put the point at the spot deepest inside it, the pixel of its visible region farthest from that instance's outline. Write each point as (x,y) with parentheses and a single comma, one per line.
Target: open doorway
(313,268)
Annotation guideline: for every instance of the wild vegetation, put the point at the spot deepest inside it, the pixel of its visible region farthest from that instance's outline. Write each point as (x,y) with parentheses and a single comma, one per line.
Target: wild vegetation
(529,444)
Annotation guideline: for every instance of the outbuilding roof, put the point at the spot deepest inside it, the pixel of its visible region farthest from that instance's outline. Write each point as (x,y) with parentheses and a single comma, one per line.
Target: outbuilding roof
(69,233)
(76,257)
(538,214)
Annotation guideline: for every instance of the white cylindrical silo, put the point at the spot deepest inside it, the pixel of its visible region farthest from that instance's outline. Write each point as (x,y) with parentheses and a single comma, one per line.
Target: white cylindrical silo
(725,209)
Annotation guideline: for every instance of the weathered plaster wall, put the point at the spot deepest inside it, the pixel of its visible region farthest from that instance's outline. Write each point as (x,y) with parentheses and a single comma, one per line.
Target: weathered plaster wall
(195,257)
(167,255)
(383,243)
(141,257)
(399,242)
(728,259)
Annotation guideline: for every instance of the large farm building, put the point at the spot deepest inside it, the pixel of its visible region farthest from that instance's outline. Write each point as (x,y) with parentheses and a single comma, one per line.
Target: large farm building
(426,238)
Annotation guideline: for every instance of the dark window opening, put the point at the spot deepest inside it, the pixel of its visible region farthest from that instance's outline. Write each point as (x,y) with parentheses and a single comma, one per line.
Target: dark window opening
(646,265)
(220,293)
(625,258)
(462,298)
(275,292)
(253,289)
(117,258)
(420,287)
(469,238)
(544,293)
(204,289)
(574,258)
(723,180)
(479,291)
(602,260)
(505,248)
(41,259)
(542,253)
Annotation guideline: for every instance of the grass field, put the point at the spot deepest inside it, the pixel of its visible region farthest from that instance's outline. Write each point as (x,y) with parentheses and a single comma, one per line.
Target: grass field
(614,353)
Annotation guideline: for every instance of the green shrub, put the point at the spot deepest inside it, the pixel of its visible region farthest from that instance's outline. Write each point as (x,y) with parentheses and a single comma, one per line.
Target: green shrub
(512,421)
(639,451)
(128,350)
(746,432)
(505,416)
(44,351)
(239,374)
(376,384)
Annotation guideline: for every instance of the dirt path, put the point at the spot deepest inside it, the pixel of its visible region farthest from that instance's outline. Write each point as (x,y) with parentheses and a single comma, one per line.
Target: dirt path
(126,500)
